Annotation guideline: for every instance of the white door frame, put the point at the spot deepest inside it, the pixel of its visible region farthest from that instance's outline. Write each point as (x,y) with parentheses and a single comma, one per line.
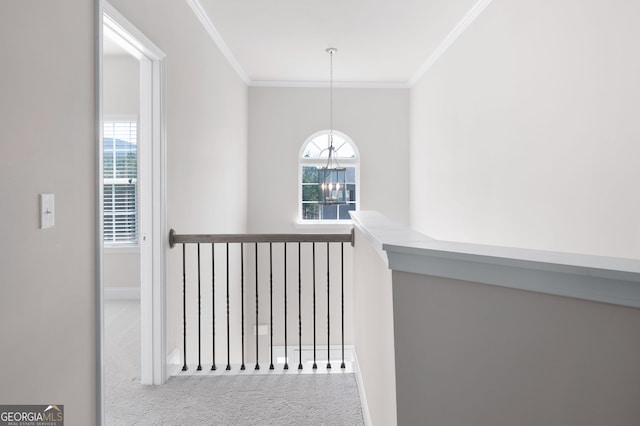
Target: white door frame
(152,230)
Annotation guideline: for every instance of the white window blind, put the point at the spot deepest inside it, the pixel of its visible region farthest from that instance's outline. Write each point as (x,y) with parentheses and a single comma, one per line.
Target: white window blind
(120,182)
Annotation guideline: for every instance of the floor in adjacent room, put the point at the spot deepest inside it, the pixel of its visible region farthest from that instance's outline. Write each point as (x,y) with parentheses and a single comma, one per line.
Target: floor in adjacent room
(238,399)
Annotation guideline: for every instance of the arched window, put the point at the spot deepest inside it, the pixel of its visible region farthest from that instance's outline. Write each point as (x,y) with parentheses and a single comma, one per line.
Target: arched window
(313,155)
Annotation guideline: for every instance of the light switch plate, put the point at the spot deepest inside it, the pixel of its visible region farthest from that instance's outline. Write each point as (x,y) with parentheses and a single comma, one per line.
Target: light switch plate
(47,211)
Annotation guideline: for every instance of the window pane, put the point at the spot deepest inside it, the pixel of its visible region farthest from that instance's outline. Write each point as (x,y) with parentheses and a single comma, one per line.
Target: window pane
(337,176)
(108,164)
(310,192)
(345,209)
(310,211)
(329,212)
(311,151)
(351,192)
(337,140)
(310,174)
(322,141)
(351,175)
(346,150)
(108,142)
(124,198)
(120,220)
(126,164)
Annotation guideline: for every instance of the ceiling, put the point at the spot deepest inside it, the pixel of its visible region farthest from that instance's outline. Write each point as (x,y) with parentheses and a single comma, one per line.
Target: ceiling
(378,41)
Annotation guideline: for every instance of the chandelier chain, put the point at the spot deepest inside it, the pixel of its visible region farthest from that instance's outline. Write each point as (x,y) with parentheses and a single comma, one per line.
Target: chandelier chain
(331,103)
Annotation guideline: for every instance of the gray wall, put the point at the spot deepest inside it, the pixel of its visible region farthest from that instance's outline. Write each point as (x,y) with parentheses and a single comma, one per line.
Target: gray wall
(474,354)
(47,278)
(524,133)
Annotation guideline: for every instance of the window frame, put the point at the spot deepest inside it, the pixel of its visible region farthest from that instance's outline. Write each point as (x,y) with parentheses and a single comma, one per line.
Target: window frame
(345,162)
(123,246)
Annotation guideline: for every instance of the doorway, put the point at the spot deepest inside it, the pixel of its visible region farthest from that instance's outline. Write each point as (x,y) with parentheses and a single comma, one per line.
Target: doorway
(151,222)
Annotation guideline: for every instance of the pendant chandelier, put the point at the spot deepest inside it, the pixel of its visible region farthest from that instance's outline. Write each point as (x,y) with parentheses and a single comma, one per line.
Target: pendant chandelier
(332,177)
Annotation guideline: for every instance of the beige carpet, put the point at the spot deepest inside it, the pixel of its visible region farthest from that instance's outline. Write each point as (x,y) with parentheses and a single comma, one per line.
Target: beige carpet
(322,399)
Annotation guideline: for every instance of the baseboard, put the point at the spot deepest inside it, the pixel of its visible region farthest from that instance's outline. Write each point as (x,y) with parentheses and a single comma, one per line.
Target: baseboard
(363,395)
(295,357)
(122,293)
(173,357)
(174,364)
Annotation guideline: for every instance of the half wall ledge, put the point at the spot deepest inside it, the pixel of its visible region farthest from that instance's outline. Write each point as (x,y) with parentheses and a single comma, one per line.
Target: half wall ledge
(594,278)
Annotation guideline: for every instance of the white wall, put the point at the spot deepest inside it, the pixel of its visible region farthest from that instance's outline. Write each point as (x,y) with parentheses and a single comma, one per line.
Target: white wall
(121,98)
(525,132)
(206,135)
(373,331)
(47,277)
(281,120)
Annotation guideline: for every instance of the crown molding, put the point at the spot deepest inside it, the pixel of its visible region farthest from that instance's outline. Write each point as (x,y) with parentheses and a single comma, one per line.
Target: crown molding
(467,20)
(323,85)
(217,38)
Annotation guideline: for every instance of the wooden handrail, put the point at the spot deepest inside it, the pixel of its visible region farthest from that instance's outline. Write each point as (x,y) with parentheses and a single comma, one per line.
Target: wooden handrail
(258,238)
